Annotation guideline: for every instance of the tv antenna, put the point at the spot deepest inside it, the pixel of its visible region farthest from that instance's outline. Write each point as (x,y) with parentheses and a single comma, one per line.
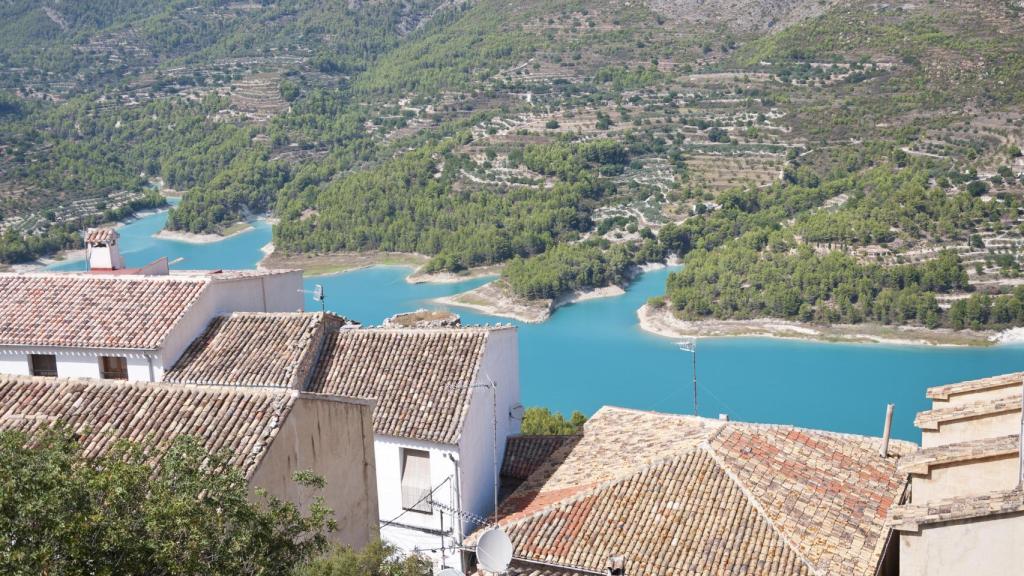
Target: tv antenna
(690,345)
(318,295)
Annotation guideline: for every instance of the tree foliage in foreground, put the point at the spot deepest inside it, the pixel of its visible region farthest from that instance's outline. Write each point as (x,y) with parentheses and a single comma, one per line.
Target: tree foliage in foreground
(542,422)
(377,559)
(64,513)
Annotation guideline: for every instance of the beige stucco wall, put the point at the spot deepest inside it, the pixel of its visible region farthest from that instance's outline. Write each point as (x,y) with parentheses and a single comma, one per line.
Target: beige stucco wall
(987,547)
(972,429)
(966,479)
(334,439)
(976,396)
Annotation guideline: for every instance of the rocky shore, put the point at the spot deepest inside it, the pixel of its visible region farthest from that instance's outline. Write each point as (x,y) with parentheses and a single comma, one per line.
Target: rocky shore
(661,321)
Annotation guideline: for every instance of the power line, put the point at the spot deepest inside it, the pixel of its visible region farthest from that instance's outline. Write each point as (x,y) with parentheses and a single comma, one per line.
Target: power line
(417,503)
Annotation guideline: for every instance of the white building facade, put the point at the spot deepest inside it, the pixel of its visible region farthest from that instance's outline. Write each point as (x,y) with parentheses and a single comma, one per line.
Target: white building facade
(433,494)
(436,418)
(121,325)
(447,400)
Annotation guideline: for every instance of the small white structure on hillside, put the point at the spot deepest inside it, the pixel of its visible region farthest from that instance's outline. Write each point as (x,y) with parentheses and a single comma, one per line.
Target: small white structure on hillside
(436,414)
(120,325)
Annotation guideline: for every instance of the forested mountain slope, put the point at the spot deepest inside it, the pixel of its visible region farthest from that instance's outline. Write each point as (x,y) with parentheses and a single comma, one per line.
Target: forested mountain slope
(866,142)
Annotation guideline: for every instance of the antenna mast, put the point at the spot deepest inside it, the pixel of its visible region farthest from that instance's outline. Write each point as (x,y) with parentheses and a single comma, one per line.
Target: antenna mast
(318,296)
(691,347)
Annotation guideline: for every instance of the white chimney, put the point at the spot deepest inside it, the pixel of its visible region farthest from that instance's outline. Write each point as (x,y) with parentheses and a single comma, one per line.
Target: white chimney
(101,247)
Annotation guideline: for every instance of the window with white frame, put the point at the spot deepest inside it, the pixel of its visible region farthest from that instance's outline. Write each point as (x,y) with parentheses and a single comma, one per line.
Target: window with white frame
(416,480)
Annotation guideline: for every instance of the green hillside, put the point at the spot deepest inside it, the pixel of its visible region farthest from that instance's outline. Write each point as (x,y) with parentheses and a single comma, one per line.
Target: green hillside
(859,141)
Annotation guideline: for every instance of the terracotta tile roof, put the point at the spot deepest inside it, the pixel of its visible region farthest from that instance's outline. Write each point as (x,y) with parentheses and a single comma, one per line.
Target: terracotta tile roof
(680,516)
(911,517)
(995,382)
(686,495)
(524,454)
(100,235)
(828,494)
(255,349)
(614,441)
(417,376)
(93,311)
(243,422)
(931,419)
(920,462)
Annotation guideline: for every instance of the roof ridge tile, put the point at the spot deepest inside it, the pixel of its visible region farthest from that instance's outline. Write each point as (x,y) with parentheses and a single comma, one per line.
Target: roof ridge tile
(757,505)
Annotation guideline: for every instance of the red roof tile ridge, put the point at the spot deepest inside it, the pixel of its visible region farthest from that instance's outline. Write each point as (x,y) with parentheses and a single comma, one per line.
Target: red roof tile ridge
(93,276)
(469,328)
(608,408)
(756,504)
(904,446)
(98,382)
(240,274)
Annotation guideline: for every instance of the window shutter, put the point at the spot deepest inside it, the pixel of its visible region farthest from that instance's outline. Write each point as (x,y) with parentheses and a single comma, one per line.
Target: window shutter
(416,480)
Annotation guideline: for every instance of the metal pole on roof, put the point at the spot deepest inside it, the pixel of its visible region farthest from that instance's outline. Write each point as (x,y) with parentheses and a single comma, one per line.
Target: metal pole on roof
(494,445)
(691,347)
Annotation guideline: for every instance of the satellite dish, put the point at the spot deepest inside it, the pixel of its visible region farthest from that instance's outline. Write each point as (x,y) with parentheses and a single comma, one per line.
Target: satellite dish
(494,551)
(450,572)
(516,412)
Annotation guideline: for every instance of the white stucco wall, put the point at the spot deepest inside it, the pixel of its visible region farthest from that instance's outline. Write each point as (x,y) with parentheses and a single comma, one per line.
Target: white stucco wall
(333,438)
(81,362)
(274,293)
(500,363)
(984,547)
(388,454)
(414,531)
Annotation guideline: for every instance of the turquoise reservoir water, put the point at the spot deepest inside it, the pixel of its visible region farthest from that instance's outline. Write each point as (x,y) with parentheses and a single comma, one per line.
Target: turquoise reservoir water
(593,353)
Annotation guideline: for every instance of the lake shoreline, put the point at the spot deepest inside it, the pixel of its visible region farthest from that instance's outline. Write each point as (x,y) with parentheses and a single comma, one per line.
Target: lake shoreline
(420,277)
(207,238)
(331,263)
(661,322)
(496,299)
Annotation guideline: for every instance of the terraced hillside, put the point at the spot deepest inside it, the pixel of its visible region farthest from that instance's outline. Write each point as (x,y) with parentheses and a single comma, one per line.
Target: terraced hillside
(573,140)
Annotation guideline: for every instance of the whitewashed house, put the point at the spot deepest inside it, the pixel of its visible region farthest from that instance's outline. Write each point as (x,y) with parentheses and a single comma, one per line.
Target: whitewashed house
(119,323)
(435,417)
